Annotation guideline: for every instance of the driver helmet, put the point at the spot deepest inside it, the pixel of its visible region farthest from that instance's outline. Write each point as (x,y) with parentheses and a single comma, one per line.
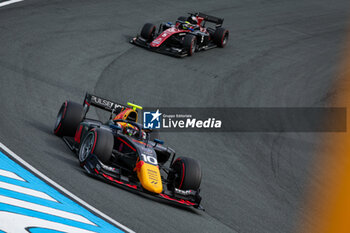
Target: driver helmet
(131,130)
(193,20)
(186,25)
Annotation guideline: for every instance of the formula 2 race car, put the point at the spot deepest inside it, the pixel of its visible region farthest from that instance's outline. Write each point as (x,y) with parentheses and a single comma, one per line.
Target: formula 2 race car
(122,152)
(185,37)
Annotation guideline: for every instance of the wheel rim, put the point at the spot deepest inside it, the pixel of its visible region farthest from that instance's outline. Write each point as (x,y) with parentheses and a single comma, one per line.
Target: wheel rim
(224,41)
(193,47)
(86,147)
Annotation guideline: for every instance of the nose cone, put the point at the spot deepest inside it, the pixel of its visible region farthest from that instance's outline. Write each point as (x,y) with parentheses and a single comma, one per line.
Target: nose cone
(149,177)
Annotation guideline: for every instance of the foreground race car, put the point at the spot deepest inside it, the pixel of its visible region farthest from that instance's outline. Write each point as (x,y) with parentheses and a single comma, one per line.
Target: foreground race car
(187,36)
(120,151)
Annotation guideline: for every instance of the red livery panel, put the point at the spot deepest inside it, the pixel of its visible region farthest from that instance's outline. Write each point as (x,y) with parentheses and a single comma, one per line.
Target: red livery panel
(164,36)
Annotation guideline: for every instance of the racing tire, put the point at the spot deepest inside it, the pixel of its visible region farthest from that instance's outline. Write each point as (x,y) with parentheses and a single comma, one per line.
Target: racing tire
(187,174)
(221,37)
(99,142)
(148,31)
(68,118)
(189,44)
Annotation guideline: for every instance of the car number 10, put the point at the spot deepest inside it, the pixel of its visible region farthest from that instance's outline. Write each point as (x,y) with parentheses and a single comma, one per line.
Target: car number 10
(149,159)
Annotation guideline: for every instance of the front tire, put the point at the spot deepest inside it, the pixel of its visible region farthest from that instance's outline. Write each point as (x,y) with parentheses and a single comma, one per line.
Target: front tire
(187,174)
(221,37)
(148,31)
(189,44)
(68,118)
(99,142)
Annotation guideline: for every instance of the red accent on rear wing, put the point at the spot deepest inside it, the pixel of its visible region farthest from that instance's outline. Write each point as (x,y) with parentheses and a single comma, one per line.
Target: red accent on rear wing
(209,18)
(102,103)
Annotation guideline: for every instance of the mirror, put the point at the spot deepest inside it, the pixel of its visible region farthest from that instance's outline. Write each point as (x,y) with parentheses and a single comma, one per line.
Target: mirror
(116,127)
(159,141)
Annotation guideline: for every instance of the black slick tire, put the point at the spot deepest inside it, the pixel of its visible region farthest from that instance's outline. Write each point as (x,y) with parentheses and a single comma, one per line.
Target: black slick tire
(99,142)
(148,31)
(187,174)
(68,118)
(221,37)
(189,44)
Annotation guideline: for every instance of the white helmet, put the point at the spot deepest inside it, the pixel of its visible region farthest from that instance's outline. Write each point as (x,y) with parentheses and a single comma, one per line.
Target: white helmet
(193,19)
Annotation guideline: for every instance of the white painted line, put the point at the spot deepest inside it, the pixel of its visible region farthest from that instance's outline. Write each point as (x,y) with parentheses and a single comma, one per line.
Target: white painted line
(65,191)
(11,175)
(44,209)
(27,191)
(9,2)
(17,223)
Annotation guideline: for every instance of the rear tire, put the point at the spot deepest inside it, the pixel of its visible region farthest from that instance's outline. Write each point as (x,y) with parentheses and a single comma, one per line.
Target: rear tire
(68,118)
(187,174)
(221,37)
(99,142)
(189,44)
(148,31)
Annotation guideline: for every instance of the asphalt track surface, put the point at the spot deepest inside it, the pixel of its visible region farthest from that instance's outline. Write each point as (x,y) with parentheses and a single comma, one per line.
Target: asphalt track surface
(280,54)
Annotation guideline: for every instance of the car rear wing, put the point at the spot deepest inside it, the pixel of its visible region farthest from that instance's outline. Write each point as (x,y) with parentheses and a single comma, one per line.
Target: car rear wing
(209,18)
(102,103)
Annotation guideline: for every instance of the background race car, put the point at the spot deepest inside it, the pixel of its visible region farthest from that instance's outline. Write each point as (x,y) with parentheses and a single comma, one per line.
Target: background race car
(187,36)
